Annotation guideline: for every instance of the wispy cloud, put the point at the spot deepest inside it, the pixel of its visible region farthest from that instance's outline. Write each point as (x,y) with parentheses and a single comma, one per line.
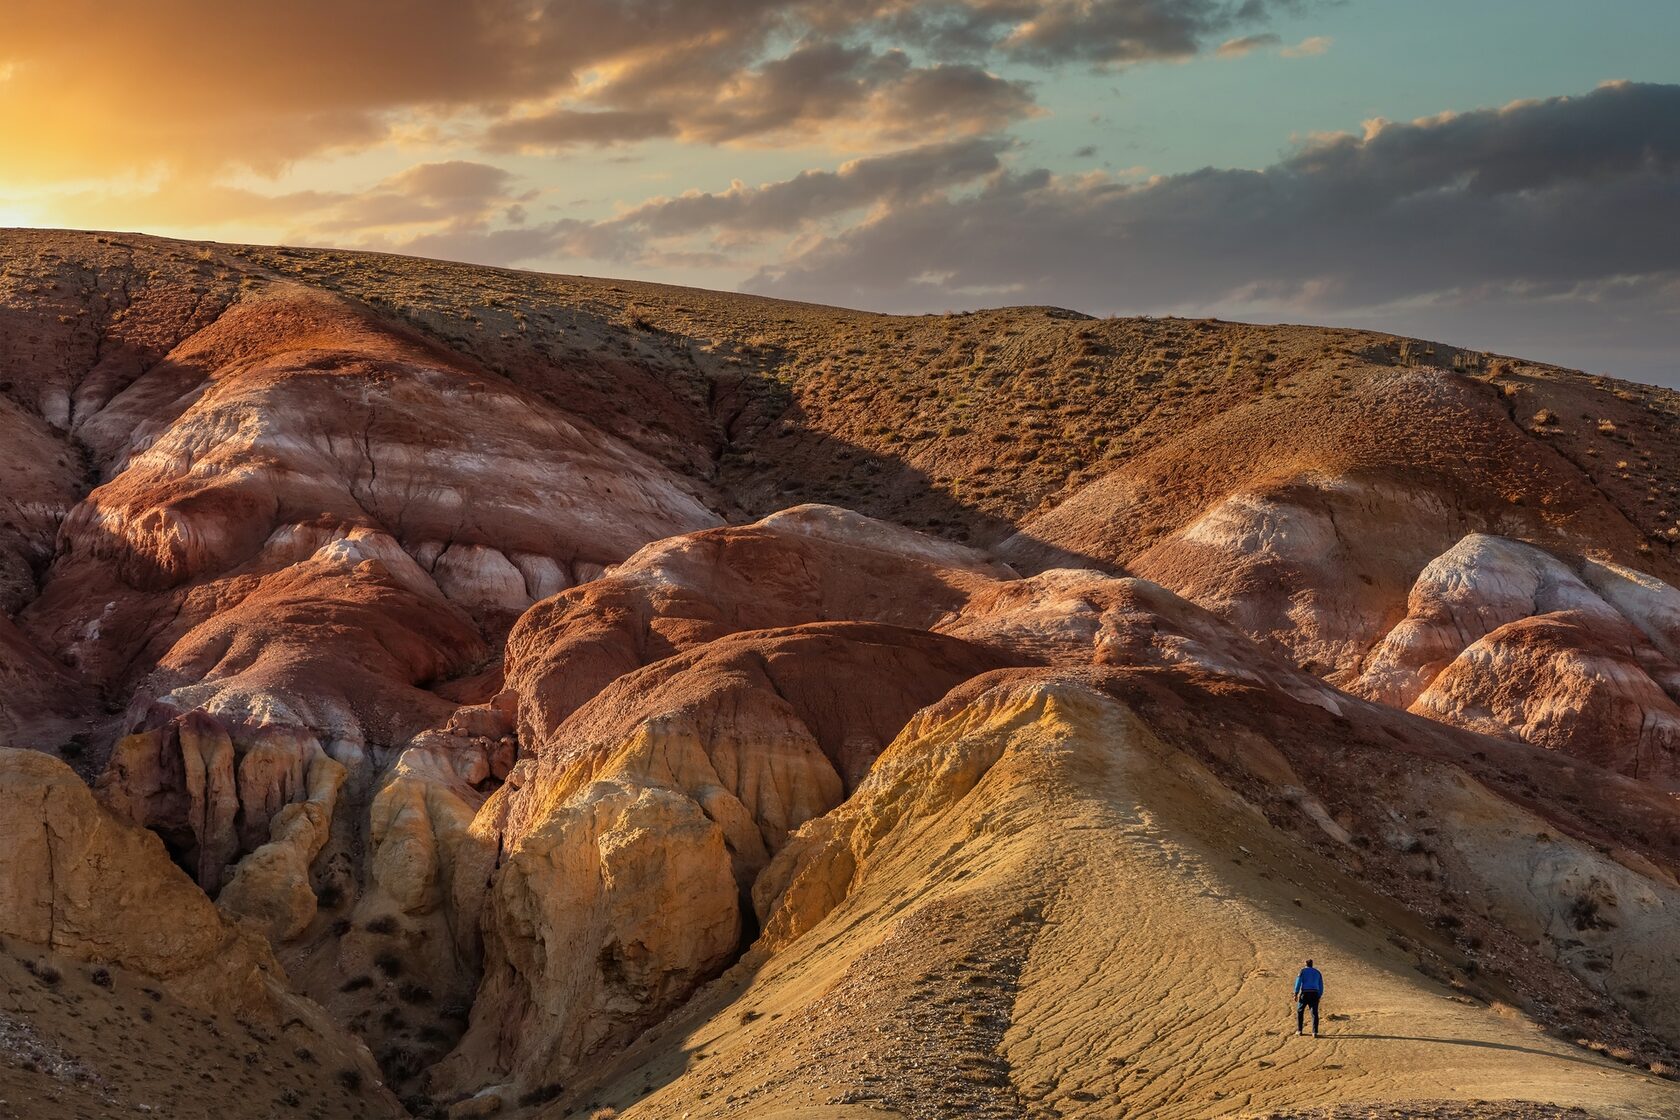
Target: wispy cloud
(1248,44)
(1306,48)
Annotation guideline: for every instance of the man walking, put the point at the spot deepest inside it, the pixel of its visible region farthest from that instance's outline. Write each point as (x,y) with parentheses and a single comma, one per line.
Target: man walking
(1309,989)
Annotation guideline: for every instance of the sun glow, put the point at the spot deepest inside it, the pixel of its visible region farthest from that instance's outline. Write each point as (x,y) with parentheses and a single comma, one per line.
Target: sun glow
(12,215)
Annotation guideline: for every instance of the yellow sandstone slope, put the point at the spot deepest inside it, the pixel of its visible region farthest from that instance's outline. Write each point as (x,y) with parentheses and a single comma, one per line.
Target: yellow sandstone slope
(1034,907)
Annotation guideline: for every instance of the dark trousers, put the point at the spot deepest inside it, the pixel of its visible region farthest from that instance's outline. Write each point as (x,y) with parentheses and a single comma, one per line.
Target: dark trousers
(1304,1000)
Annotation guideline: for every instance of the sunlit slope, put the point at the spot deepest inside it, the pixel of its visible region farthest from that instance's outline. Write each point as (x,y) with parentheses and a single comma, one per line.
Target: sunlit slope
(1046,911)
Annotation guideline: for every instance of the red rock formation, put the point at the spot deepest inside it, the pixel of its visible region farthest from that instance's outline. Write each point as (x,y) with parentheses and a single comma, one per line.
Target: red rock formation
(422,642)
(1506,639)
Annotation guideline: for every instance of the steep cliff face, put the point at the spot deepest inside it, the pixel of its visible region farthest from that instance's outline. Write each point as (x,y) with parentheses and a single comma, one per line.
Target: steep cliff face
(459,660)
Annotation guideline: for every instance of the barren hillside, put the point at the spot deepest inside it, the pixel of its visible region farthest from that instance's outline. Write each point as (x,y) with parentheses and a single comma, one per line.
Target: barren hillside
(508,694)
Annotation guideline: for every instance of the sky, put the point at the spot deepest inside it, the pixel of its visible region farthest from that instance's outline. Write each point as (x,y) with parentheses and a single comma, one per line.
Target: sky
(1501,174)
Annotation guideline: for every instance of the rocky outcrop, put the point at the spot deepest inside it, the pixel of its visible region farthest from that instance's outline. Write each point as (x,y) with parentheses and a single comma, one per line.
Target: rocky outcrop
(807,564)
(723,751)
(1305,521)
(602,921)
(82,885)
(1509,640)
(212,799)
(272,885)
(421,642)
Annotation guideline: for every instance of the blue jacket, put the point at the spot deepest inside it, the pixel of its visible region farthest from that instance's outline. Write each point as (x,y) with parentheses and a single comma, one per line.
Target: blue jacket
(1310,980)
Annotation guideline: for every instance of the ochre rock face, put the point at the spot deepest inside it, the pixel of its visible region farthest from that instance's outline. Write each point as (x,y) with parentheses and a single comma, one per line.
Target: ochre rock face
(215,801)
(77,880)
(80,884)
(272,884)
(598,695)
(723,752)
(599,924)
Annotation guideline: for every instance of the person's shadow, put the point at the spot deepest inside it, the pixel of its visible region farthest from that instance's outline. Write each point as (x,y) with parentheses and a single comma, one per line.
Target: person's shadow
(1473,1042)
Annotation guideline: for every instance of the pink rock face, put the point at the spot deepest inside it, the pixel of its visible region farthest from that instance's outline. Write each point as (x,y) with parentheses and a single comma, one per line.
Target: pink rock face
(1509,640)
(46,706)
(784,720)
(300,531)
(1567,682)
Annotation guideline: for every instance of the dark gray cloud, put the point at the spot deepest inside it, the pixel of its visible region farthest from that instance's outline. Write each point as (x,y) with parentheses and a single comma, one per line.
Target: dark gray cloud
(1540,214)
(654,231)
(897,178)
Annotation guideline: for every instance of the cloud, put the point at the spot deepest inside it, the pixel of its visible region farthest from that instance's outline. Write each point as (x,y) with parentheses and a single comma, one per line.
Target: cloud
(901,177)
(851,94)
(452,192)
(565,128)
(712,228)
(1236,48)
(199,86)
(1531,213)
(1316,44)
(1121,32)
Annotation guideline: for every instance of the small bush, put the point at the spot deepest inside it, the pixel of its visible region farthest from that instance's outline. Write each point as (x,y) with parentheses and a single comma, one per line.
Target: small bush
(389,963)
(384,924)
(400,1062)
(44,972)
(356,984)
(350,1080)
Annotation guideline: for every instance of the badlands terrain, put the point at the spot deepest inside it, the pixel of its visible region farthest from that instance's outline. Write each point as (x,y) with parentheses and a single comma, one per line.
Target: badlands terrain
(446,691)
